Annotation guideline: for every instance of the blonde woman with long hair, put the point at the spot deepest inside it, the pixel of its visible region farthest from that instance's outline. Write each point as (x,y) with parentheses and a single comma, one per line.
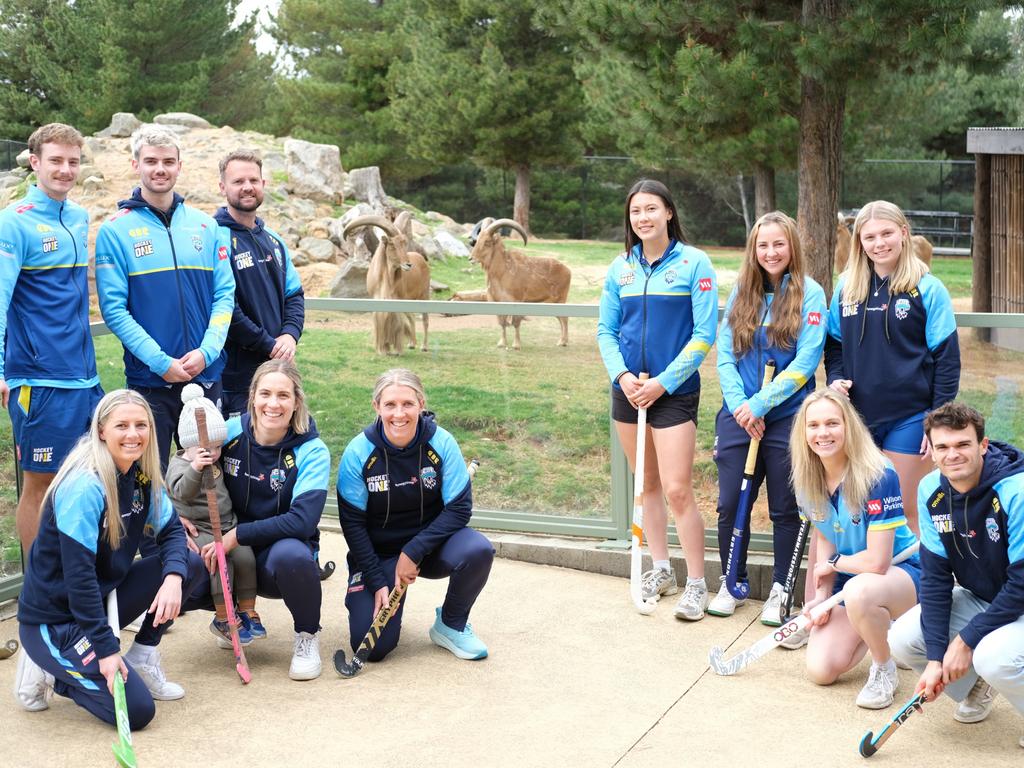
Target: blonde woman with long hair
(893,346)
(775,313)
(107,497)
(850,493)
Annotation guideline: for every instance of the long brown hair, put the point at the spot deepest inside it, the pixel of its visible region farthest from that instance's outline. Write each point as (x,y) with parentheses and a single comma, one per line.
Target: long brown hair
(748,305)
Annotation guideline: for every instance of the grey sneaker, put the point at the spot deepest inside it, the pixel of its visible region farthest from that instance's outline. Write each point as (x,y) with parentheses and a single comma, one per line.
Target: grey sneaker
(33,685)
(771,614)
(797,640)
(879,691)
(152,674)
(657,582)
(724,604)
(976,705)
(306,657)
(692,604)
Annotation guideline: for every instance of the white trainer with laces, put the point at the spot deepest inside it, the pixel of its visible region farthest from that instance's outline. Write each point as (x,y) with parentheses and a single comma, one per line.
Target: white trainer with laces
(33,685)
(879,691)
(772,612)
(146,662)
(724,604)
(657,582)
(977,704)
(306,657)
(694,602)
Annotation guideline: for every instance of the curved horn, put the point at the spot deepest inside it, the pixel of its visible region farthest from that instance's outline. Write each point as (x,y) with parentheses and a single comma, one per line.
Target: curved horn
(402,222)
(475,234)
(369,221)
(499,223)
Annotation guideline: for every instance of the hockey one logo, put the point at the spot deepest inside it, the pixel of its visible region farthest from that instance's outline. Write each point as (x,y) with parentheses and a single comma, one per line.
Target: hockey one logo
(42,455)
(943,523)
(231,466)
(49,244)
(849,310)
(243,260)
(377,484)
(143,248)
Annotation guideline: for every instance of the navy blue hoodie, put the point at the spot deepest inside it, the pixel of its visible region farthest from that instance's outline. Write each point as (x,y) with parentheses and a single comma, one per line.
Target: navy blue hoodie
(978,538)
(393,500)
(277,491)
(269,300)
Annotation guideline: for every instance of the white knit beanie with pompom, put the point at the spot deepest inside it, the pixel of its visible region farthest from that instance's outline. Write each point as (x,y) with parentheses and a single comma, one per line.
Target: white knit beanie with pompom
(188,433)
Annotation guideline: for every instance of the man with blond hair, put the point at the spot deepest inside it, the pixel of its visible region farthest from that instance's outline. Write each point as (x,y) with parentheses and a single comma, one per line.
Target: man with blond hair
(269,301)
(48,378)
(165,285)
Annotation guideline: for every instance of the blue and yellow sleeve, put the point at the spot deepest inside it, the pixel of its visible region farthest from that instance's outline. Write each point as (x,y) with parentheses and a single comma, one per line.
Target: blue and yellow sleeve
(704,304)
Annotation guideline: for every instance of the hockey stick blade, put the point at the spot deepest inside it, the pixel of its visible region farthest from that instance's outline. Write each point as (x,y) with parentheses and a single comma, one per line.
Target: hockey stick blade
(9,649)
(868,747)
(648,606)
(345,669)
(124,752)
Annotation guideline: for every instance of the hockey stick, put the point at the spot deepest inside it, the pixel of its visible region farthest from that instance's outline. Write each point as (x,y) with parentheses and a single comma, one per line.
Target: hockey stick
(351,669)
(241,665)
(636,554)
(9,649)
(732,566)
(794,571)
(869,747)
(768,642)
(124,752)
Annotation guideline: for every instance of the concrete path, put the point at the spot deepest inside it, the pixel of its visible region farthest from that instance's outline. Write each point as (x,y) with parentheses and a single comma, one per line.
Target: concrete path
(575,678)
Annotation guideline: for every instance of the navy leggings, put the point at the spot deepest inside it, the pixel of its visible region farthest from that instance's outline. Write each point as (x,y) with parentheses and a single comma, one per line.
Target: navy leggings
(64,652)
(284,570)
(466,558)
(773,465)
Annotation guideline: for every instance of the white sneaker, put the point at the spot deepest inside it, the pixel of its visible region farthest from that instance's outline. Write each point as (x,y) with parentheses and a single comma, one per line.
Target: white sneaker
(694,601)
(147,664)
(657,582)
(879,691)
(306,658)
(33,685)
(797,640)
(771,614)
(724,604)
(976,705)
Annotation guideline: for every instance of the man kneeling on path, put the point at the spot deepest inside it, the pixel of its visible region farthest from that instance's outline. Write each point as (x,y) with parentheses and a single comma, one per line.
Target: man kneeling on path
(966,638)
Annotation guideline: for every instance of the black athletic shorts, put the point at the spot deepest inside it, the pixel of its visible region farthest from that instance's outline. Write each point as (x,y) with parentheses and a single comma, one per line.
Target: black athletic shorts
(667,411)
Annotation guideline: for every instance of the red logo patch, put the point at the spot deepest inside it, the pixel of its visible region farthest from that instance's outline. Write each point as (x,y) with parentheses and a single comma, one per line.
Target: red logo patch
(24,208)
(874,506)
(222,253)
(704,283)
(120,213)
(814,318)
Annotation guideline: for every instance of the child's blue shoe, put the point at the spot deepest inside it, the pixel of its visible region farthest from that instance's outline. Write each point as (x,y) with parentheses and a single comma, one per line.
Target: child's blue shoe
(463,644)
(253,624)
(220,630)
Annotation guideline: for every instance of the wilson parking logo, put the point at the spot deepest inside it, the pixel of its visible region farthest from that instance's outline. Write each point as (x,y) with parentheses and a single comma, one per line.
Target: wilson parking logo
(814,318)
(704,284)
(874,506)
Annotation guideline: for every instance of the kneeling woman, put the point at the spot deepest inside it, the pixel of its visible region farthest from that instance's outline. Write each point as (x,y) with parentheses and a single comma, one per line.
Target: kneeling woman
(405,500)
(107,496)
(851,493)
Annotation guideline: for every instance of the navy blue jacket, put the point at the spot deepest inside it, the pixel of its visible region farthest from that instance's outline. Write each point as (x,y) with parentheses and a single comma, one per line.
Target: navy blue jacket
(393,500)
(72,569)
(277,491)
(269,300)
(978,538)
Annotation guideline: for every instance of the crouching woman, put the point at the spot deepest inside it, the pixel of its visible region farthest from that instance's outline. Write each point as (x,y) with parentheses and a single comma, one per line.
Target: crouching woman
(850,492)
(107,496)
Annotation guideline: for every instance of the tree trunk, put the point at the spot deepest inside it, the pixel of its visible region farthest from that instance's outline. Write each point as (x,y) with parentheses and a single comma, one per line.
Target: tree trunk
(521,205)
(822,104)
(742,187)
(764,190)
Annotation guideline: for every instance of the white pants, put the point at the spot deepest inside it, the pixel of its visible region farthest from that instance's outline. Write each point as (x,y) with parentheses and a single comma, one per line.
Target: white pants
(998,658)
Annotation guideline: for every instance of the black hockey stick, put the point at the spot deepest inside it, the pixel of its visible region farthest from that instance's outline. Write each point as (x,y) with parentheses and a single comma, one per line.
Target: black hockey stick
(868,747)
(785,610)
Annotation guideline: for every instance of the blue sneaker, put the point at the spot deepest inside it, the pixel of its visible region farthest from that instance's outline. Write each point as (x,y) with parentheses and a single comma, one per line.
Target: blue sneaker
(253,625)
(221,631)
(463,644)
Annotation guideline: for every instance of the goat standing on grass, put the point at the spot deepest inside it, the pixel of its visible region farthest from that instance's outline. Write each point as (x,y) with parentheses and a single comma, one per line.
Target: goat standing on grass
(514,276)
(395,273)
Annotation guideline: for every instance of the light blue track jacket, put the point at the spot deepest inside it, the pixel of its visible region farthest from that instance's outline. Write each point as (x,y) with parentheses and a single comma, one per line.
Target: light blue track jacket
(660,318)
(165,287)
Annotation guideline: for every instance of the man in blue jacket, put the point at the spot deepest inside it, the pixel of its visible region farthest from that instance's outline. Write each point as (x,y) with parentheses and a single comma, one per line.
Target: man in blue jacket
(165,285)
(965,638)
(48,377)
(269,301)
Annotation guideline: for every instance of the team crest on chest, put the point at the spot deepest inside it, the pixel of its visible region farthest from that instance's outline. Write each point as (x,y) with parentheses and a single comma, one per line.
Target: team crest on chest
(670,277)
(429,477)
(277,478)
(992,528)
(197,243)
(902,307)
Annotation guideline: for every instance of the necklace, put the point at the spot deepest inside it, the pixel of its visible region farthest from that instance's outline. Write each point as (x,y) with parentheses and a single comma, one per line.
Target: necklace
(881,285)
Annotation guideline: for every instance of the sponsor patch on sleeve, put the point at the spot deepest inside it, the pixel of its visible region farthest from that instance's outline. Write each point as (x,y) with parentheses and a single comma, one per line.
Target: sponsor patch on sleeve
(704,283)
(222,253)
(814,318)
(874,506)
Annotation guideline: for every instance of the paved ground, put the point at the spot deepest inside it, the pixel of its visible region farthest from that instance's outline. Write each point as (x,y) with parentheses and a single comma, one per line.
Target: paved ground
(576,678)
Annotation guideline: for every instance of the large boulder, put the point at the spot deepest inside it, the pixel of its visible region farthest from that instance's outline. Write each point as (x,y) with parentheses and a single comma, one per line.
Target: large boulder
(314,170)
(363,184)
(184,119)
(318,249)
(350,282)
(122,125)
(451,245)
(23,158)
(428,247)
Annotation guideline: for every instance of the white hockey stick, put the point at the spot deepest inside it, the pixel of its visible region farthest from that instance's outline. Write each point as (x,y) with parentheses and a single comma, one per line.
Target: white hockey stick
(798,623)
(636,556)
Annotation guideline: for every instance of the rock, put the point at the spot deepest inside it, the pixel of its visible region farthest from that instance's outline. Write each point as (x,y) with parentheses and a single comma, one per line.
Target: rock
(437,287)
(450,244)
(185,119)
(9,181)
(314,170)
(317,249)
(320,228)
(275,166)
(428,247)
(23,158)
(361,248)
(87,170)
(419,229)
(298,257)
(122,125)
(365,186)
(353,213)
(302,209)
(350,282)
(440,218)
(93,184)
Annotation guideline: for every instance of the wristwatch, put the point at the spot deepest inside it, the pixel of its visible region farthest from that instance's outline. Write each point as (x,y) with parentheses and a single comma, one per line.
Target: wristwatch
(833,559)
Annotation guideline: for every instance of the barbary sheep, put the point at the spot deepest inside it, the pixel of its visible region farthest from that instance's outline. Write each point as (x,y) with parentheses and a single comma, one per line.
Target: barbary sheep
(395,273)
(514,276)
(844,241)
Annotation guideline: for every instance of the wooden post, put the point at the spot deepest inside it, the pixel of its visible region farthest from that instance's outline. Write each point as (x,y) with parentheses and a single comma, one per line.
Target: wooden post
(981,244)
